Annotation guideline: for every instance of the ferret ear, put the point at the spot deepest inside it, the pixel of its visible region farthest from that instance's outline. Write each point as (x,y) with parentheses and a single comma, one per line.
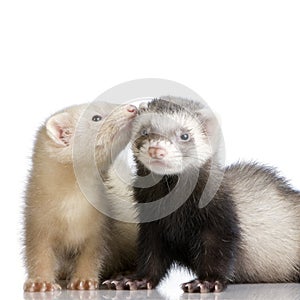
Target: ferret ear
(60,128)
(210,121)
(143,106)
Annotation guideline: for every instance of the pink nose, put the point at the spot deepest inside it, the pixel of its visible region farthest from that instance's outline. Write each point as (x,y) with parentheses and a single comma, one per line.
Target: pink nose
(131,109)
(158,153)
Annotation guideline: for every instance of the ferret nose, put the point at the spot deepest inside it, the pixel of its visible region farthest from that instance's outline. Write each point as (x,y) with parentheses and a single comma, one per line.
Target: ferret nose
(131,109)
(158,153)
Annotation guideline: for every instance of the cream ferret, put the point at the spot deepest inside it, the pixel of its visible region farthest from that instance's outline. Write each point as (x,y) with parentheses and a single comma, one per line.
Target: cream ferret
(66,237)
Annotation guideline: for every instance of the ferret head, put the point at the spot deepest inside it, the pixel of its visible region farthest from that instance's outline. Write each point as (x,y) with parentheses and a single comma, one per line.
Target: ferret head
(100,125)
(172,137)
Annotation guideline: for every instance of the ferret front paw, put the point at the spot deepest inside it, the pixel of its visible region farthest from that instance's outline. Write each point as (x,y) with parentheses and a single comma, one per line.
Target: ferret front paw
(203,286)
(38,285)
(119,283)
(142,284)
(127,284)
(83,284)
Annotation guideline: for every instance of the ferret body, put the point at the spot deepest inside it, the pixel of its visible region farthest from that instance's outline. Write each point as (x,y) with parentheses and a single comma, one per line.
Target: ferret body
(249,231)
(66,237)
(268,211)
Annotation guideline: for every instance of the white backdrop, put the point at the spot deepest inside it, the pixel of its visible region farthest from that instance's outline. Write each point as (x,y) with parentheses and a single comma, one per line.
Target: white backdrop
(242,57)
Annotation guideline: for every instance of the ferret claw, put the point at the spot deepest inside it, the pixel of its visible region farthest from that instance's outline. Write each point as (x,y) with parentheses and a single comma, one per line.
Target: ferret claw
(106,284)
(219,287)
(203,286)
(119,284)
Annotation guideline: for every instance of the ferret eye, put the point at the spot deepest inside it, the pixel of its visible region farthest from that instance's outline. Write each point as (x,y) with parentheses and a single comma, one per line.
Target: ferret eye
(185,137)
(96,118)
(144,132)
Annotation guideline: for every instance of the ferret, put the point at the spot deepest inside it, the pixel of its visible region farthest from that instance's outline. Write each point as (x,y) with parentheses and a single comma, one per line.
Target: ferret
(246,231)
(66,237)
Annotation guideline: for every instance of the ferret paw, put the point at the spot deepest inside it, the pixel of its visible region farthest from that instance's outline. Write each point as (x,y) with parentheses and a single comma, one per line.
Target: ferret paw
(118,283)
(203,286)
(80,284)
(40,286)
(142,284)
(127,284)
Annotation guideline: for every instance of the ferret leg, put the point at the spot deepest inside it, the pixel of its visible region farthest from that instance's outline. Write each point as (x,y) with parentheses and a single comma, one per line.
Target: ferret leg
(40,260)
(213,264)
(88,265)
(152,268)
(153,264)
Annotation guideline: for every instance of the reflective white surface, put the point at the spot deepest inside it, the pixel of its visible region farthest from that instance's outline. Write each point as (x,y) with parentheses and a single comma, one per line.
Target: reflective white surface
(244,292)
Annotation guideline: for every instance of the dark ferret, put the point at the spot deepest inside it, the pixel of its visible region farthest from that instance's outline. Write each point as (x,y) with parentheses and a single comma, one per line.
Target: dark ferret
(249,231)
